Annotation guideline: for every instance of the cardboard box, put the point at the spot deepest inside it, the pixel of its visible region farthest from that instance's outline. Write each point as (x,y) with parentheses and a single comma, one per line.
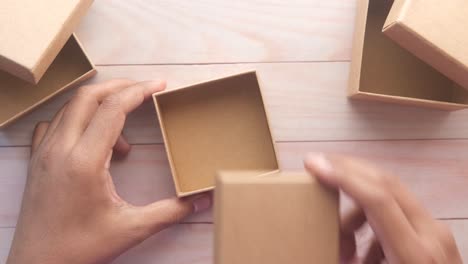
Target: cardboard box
(18,97)
(216,125)
(33,32)
(435,31)
(383,71)
(277,218)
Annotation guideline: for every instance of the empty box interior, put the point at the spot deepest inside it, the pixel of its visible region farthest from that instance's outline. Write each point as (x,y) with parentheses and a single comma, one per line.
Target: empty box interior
(388,69)
(18,97)
(281,217)
(212,126)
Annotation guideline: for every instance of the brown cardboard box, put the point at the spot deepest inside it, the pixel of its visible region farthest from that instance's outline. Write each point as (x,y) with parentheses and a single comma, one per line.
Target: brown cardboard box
(381,70)
(435,31)
(33,32)
(277,218)
(216,125)
(17,97)
(39,55)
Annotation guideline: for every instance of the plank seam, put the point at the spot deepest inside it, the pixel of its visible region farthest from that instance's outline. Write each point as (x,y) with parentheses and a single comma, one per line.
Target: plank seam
(296,141)
(218,63)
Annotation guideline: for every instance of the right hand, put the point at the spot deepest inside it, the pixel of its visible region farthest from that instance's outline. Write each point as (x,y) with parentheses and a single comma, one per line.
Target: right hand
(405,231)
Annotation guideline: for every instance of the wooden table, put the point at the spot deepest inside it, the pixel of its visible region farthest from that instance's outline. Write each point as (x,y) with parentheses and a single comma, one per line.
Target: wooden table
(301,50)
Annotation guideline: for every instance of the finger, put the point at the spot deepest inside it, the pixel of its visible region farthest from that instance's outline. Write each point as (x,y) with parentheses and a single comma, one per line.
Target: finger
(364,184)
(54,123)
(418,216)
(100,135)
(420,219)
(162,214)
(375,253)
(350,222)
(121,148)
(38,135)
(347,247)
(83,106)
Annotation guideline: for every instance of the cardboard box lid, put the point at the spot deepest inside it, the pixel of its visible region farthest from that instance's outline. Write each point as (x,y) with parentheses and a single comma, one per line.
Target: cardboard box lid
(33,32)
(435,31)
(275,218)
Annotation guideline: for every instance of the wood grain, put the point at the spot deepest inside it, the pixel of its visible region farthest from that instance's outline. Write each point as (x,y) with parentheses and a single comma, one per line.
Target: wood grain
(300,50)
(181,244)
(436,171)
(209,31)
(193,243)
(306,102)
(459,229)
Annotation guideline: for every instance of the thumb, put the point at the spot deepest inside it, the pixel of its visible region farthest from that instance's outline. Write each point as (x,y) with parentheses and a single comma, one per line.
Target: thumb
(162,214)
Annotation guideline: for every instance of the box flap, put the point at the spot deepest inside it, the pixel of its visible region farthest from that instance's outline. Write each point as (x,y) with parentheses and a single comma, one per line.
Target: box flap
(282,217)
(435,31)
(33,32)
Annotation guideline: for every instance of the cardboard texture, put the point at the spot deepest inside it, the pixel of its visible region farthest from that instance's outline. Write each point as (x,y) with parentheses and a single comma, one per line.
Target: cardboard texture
(216,125)
(33,32)
(17,97)
(282,217)
(435,31)
(381,70)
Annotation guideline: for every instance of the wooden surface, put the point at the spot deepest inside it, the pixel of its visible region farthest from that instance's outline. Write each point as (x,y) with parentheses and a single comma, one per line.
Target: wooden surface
(301,50)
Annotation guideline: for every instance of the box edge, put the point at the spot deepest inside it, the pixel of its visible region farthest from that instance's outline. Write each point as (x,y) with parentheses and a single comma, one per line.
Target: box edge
(167,147)
(354,77)
(408,101)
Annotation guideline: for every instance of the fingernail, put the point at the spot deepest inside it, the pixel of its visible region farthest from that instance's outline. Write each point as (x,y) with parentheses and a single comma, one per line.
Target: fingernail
(320,163)
(201,204)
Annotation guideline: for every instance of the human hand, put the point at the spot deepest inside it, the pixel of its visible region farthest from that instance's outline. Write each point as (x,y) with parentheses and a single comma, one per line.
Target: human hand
(405,231)
(71,212)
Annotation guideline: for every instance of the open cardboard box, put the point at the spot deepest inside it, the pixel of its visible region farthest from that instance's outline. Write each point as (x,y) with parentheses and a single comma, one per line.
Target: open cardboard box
(275,218)
(216,125)
(18,97)
(381,70)
(33,32)
(434,31)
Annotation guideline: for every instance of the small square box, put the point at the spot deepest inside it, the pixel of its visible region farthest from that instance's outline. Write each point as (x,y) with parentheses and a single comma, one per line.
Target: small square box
(39,55)
(434,31)
(18,97)
(216,125)
(382,70)
(275,218)
(33,32)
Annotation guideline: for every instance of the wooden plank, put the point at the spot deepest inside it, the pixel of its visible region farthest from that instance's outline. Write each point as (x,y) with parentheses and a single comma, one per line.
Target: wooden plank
(209,31)
(193,243)
(306,101)
(181,244)
(459,229)
(150,251)
(435,170)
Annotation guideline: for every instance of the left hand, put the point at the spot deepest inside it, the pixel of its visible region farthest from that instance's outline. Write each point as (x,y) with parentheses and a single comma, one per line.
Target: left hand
(71,212)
